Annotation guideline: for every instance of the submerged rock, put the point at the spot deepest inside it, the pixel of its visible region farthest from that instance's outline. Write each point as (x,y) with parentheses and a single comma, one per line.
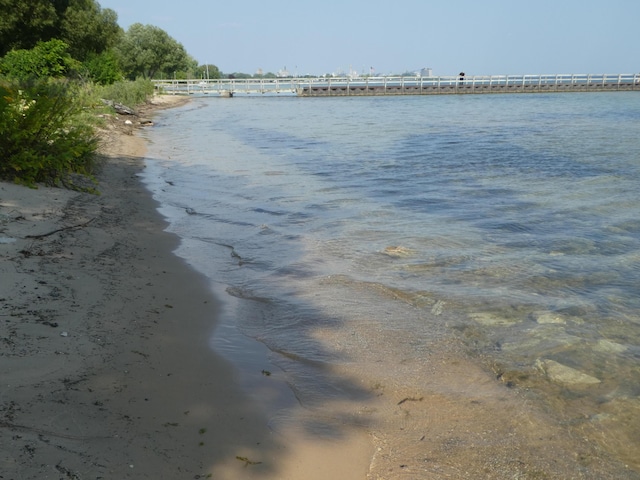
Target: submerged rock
(491,319)
(398,251)
(545,318)
(607,346)
(559,373)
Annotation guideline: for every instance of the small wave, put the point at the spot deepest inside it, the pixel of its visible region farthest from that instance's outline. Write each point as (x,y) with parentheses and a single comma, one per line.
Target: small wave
(245,294)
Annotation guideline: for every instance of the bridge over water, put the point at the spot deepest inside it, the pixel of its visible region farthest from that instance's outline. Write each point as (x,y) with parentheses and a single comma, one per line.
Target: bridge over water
(403,85)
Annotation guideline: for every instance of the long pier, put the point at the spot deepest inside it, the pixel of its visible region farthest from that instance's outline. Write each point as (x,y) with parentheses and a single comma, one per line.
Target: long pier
(402,85)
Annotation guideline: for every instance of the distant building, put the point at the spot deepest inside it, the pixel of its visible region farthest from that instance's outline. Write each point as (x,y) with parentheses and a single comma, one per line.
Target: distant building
(426,72)
(284,73)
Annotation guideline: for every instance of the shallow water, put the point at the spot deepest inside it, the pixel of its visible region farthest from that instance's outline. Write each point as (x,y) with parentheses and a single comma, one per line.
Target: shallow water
(511,222)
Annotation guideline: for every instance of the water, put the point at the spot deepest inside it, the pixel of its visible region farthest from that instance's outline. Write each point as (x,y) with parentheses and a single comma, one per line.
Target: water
(509,222)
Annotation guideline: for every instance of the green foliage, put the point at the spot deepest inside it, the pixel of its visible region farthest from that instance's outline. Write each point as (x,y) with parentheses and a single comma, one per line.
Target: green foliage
(82,24)
(88,29)
(206,71)
(24,24)
(46,59)
(42,138)
(147,51)
(127,92)
(103,68)
(237,75)
(265,75)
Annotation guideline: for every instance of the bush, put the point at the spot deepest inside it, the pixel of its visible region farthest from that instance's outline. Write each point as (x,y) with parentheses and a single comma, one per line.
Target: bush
(47,59)
(127,92)
(103,68)
(43,138)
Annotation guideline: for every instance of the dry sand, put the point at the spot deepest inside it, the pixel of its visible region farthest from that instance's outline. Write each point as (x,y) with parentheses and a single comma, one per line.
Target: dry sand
(107,372)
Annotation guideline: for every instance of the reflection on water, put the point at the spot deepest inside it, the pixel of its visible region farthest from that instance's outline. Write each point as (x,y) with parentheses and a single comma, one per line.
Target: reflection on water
(509,221)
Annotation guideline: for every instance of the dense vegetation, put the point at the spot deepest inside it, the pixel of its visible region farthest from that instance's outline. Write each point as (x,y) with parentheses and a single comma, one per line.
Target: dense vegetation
(43,138)
(58,59)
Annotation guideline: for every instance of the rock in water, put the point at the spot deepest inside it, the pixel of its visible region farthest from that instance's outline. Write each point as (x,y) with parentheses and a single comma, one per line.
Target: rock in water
(398,251)
(559,373)
(545,318)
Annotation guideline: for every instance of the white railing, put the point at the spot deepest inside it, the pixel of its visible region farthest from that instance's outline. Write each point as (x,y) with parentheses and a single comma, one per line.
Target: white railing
(289,86)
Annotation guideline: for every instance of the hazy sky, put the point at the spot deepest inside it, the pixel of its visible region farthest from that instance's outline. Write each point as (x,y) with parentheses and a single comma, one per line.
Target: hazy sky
(395,36)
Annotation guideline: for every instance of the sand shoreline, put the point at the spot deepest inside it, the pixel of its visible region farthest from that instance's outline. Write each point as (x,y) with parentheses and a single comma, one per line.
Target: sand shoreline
(107,370)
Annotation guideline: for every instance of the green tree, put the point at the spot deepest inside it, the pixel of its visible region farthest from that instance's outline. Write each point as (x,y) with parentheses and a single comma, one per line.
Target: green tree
(103,68)
(88,29)
(188,71)
(82,24)
(148,51)
(24,24)
(207,71)
(237,75)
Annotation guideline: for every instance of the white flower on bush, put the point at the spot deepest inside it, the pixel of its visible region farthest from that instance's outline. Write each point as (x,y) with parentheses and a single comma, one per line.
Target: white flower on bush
(22,105)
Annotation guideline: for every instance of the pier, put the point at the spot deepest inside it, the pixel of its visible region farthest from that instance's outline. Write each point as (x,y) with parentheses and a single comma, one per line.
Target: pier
(402,85)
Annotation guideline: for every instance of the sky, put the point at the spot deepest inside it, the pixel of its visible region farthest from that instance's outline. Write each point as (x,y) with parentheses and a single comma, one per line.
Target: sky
(490,37)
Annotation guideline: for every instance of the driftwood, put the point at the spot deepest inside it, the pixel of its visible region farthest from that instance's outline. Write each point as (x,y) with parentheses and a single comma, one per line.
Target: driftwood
(71,227)
(120,108)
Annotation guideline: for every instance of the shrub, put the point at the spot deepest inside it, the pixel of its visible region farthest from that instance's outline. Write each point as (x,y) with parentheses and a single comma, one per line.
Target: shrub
(127,92)
(46,59)
(103,68)
(43,138)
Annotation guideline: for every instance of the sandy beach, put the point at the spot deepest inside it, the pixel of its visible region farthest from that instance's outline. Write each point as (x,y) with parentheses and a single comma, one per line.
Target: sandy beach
(107,370)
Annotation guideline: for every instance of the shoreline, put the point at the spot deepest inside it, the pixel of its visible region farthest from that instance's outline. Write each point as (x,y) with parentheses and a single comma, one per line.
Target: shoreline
(106,364)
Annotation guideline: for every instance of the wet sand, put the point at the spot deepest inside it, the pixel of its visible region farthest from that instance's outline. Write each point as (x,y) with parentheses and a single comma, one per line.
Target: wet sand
(107,370)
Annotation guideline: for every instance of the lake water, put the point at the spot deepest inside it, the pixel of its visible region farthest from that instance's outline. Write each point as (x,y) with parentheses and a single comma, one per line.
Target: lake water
(508,224)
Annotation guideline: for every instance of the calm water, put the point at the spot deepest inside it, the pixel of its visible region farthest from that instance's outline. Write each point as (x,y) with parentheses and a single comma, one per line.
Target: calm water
(511,222)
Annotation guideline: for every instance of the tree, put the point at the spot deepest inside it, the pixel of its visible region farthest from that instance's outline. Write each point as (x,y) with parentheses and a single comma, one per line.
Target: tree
(82,24)
(207,71)
(237,75)
(24,24)
(265,75)
(188,70)
(88,29)
(103,68)
(147,51)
